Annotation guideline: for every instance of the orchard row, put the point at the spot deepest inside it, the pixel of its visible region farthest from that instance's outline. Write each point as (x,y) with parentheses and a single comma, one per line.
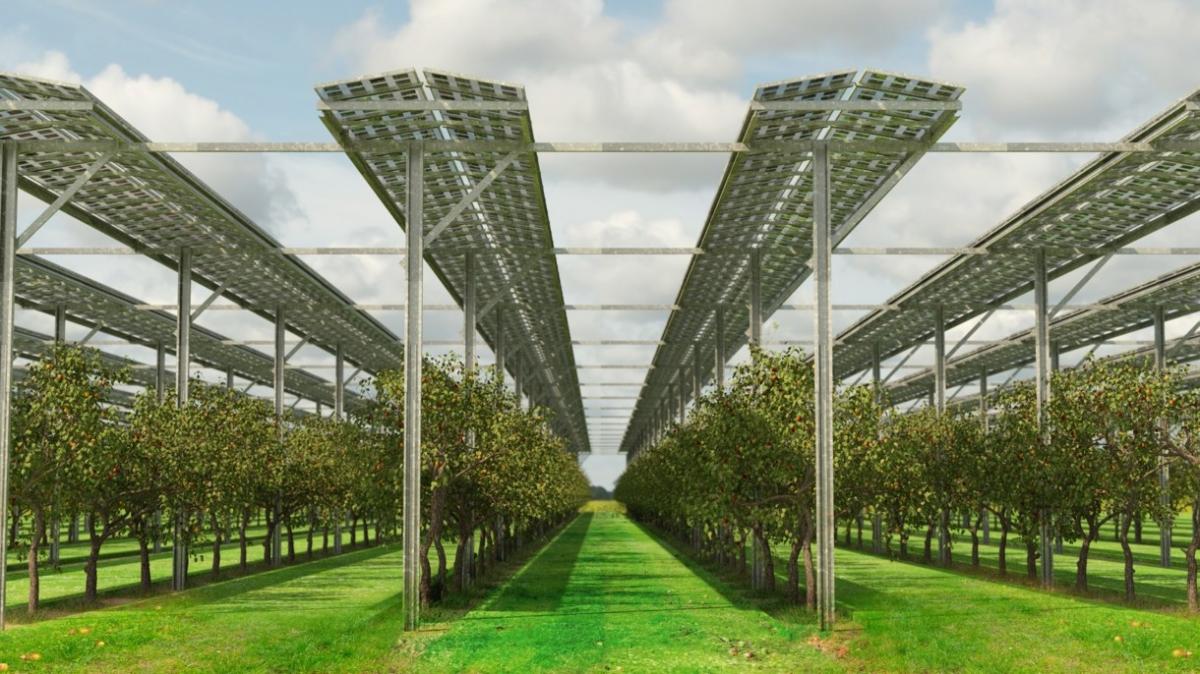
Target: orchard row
(741,469)
(200,472)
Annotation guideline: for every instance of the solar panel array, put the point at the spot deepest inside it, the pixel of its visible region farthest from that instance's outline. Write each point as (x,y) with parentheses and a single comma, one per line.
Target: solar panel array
(149,201)
(43,285)
(1178,293)
(764,202)
(1114,199)
(506,225)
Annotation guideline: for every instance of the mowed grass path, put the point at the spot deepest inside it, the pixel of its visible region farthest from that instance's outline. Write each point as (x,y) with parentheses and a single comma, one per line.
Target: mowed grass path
(606,596)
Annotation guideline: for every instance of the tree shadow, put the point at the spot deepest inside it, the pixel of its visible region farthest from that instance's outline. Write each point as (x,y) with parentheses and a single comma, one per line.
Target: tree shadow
(541,585)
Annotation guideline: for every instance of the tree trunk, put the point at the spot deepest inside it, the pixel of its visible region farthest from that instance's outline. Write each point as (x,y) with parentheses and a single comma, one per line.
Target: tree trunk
(216,547)
(291,541)
(1081,565)
(441,572)
(39,525)
(90,567)
(927,555)
(366,533)
(1031,555)
(793,569)
(144,561)
(1137,528)
(810,575)
(242,539)
(1127,553)
(1002,559)
(312,525)
(353,531)
(1190,553)
(437,502)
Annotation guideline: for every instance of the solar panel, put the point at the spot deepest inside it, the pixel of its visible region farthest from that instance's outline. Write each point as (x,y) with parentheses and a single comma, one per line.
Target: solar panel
(764,202)
(150,202)
(1115,199)
(506,225)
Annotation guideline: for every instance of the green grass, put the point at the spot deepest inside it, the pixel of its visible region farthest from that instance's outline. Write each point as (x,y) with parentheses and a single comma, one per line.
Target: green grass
(120,572)
(606,596)
(336,614)
(1156,586)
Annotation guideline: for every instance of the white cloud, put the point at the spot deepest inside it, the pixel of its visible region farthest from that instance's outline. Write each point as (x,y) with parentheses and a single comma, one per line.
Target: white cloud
(1073,68)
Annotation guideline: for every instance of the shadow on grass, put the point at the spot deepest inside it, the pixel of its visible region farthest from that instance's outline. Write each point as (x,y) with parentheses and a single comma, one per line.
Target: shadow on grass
(540,586)
(732,586)
(202,587)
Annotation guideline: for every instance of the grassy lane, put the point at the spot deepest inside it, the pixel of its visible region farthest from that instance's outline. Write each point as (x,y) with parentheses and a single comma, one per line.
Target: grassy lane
(606,596)
(335,614)
(915,618)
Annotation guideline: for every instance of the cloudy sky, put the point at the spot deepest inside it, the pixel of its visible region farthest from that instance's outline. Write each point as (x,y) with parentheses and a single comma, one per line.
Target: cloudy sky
(627,70)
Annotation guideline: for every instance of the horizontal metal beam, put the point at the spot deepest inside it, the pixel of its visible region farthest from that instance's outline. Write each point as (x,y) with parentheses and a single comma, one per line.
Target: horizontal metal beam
(45,106)
(852,106)
(423,106)
(435,146)
(634,251)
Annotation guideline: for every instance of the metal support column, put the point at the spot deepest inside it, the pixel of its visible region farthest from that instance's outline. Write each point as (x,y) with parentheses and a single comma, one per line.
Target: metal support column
(823,372)
(415,231)
(160,390)
(757,563)
(339,402)
(467,567)
(60,337)
(277,385)
(8,246)
(1164,469)
(876,383)
(939,401)
(719,348)
(183,353)
(1042,386)
(985,516)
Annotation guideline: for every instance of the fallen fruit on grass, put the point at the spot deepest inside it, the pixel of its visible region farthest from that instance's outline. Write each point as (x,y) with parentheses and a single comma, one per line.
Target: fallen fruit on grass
(748,655)
(99,644)
(1119,639)
(1135,623)
(1179,653)
(3,666)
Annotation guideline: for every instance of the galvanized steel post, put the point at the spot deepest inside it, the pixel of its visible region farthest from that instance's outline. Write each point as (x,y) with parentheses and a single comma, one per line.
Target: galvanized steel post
(415,231)
(1164,468)
(8,245)
(1042,386)
(183,351)
(823,371)
(339,392)
(939,401)
(277,384)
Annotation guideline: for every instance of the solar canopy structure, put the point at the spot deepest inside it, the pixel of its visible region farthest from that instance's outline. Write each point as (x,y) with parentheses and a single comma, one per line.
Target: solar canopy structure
(758,238)
(151,203)
(814,156)
(1113,200)
(1165,298)
(486,228)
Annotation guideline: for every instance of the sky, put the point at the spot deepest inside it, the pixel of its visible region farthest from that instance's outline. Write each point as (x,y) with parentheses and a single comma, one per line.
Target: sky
(608,71)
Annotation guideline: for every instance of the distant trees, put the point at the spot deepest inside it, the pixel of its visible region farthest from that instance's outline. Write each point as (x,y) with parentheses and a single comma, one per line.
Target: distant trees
(744,461)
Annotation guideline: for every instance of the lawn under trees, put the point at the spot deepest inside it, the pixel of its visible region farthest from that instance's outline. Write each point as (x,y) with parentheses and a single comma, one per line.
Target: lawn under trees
(607,594)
